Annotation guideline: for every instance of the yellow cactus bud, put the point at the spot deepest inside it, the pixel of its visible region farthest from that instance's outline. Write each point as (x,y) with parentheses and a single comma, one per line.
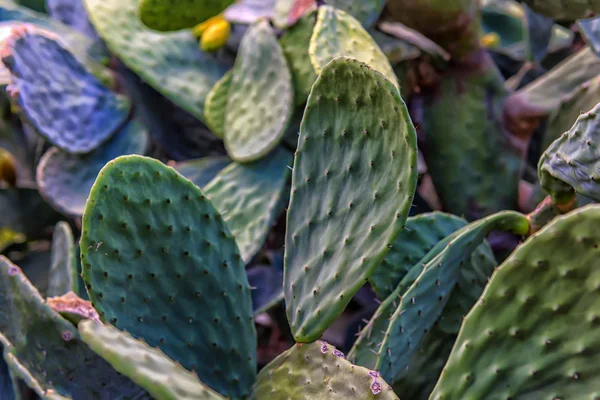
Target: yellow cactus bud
(199,29)
(215,36)
(490,40)
(8,237)
(8,168)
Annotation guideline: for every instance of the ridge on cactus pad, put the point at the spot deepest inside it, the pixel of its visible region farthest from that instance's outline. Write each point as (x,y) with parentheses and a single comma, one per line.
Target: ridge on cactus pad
(353,182)
(159,262)
(76,115)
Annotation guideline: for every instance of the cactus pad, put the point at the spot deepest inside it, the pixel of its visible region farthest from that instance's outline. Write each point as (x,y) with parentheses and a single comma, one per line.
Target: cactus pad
(533,332)
(318,371)
(353,182)
(65,180)
(177,282)
(216,105)
(59,360)
(421,234)
(338,34)
(72,13)
(590,29)
(76,115)
(564,10)
(248,196)
(171,63)
(365,11)
(294,43)
(571,163)
(150,368)
(62,277)
(260,98)
(202,170)
(172,15)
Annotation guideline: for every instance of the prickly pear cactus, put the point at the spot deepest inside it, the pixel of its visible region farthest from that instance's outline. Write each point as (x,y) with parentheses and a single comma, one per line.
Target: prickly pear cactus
(172,15)
(526,343)
(76,115)
(356,129)
(175,281)
(338,34)
(570,164)
(216,105)
(63,273)
(365,11)
(318,371)
(150,368)
(202,170)
(259,105)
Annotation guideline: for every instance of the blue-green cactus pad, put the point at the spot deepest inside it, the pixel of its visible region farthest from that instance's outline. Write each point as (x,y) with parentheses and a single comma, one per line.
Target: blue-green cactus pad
(534,332)
(62,277)
(248,196)
(65,180)
(365,11)
(571,162)
(421,234)
(66,104)
(353,182)
(202,170)
(149,367)
(73,14)
(338,34)
(172,15)
(260,102)
(294,43)
(159,262)
(49,346)
(216,105)
(171,63)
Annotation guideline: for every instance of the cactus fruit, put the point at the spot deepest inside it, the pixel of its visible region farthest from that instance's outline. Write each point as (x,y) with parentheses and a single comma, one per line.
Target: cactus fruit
(216,105)
(62,277)
(8,168)
(355,129)
(338,34)
(519,341)
(295,42)
(176,282)
(150,368)
(421,234)
(172,15)
(564,10)
(318,371)
(77,115)
(65,180)
(260,99)
(59,360)
(171,63)
(202,170)
(570,164)
(215,36)
(248,196)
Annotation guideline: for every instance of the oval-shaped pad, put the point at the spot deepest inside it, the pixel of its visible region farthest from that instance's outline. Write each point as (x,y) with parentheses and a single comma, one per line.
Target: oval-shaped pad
(65,180)
(159,262)
(260,97)
(64,103)
(338,34)
(353,182)
(62,277)
(172,15)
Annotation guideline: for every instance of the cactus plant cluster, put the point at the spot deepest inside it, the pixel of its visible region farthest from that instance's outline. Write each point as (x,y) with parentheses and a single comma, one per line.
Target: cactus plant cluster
(299,199)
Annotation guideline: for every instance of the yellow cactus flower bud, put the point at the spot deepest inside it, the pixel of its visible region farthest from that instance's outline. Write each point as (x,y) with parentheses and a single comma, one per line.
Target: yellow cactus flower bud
(215,36)
(490,40)
(8,168)
(199,29)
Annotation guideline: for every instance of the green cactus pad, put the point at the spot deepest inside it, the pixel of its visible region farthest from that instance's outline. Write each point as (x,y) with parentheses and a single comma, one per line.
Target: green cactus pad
(62,277)
(571,163)
(365,11)
(260,98)
(294,43)
(175,281)
(202,170)
(479,159)
(65,180)
(171,63)
(49,346)
(172,15)
(318,371)
(564,10)
(216,105)
(353,182)
(19,204)
(338,34)
(248,196)
(534,332)
(76,115)
(421,234)
(150,368)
